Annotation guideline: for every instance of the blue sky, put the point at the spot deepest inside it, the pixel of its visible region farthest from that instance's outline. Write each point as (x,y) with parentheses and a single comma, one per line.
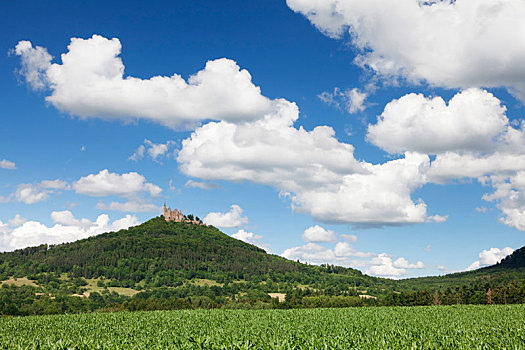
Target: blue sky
(310,170)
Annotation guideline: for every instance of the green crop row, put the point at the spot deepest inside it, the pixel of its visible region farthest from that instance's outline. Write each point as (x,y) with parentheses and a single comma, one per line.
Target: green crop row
(427,327)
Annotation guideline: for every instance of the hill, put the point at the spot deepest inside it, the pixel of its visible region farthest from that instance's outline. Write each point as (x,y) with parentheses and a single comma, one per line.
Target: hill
(510,270)
(166,265)
(171,259)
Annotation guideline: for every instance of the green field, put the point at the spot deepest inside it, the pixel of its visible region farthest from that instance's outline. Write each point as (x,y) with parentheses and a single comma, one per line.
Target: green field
(427,327)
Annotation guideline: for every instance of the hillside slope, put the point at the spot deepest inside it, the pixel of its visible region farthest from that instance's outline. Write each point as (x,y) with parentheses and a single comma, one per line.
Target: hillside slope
(167,254)
(510,270)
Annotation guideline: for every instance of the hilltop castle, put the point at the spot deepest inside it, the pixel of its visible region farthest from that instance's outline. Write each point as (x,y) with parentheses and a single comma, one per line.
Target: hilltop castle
(177,216)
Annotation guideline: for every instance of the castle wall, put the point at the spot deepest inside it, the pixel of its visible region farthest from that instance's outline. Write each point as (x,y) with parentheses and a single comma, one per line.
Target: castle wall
(177,216)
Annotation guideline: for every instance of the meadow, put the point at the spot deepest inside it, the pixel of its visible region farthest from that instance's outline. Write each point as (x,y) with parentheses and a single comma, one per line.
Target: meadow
(425,327)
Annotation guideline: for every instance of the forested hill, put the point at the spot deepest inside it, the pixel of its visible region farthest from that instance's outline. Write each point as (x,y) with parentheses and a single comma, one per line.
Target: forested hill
(167,254)
(511,270)
(169,265)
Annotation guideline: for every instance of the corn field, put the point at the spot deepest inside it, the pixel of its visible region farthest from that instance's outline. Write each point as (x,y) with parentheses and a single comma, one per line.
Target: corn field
(427,327)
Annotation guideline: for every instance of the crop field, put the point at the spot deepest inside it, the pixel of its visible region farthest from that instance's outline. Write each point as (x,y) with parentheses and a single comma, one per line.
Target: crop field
(430,327)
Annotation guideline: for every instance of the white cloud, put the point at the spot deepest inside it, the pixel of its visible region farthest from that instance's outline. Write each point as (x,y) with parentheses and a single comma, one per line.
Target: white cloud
(345,249)
(233,218)
(66,229)
(154,150)
(473,120)
(34,193)
(6,164)
(345,255)
(89,82)
(475,265)
(248,237)
(138,154)
(204,185)
(66,218)
(30,194)
(55,184)
(453,44)
(490,257)
(17,220)
(382,265)
(509,196)
(450,165)
(35,62)
(318,234)
(471,137)
(380,197)
(320,173)
(312,253)
(133,206)
(351,100)
(404,264)
(111,184)
(269,151)
(255,139)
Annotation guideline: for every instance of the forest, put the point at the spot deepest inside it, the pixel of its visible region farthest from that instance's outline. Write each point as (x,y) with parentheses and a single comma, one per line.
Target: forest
(161,265)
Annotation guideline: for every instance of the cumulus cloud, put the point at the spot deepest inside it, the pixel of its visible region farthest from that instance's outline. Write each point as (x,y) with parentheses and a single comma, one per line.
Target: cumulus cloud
(382,196)
(111,184)
(471,137)
(30,194)
(66,218)
(248,237)
(343,254)
(454,44)
(351,100)
(312,253)
(473,120)
(318,234)
(319,173)
(66,229)
(509,195)
(154,150)
(13,222)
(90,82)
(233,218)
(6,164)
(254,139)
(34,193)
(35,62)
(382,265)
(490,257)
(344,249)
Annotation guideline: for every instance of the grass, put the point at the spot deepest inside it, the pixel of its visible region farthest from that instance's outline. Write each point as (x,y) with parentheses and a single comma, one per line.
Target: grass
(92,287)
(427,327)
(202,282)
(21,281)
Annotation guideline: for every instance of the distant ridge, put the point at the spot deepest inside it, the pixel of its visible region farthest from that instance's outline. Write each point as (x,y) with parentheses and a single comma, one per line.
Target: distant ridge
(514,260)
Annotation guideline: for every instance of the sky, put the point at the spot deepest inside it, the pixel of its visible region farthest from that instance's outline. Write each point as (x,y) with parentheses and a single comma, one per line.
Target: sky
(384,136)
